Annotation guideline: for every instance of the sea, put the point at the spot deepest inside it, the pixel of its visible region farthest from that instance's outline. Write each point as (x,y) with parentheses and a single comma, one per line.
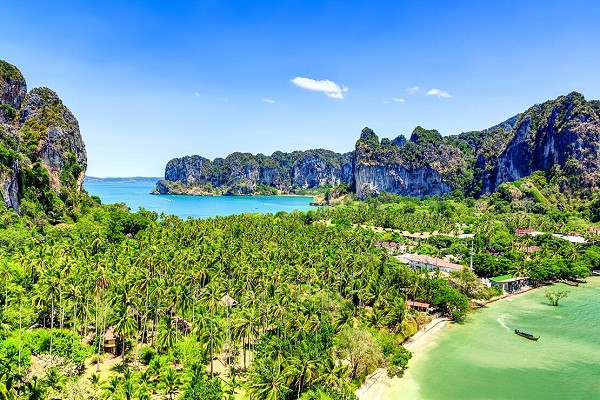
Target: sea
(136,194)
(484,359)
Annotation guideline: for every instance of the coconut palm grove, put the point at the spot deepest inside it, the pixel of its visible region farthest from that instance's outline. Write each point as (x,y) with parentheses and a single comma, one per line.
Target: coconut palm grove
(109,303)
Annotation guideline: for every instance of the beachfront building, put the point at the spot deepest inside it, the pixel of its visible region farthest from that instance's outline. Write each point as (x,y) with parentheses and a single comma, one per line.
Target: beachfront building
(430,263)
(419,306)
(511,284)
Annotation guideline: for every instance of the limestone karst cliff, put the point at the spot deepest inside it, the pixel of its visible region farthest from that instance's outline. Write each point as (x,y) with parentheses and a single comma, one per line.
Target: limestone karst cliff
(42,154)
(243,173)
(561,135)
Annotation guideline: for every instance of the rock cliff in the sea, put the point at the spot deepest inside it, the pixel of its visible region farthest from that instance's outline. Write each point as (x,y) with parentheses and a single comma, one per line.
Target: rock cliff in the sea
(42,154)
(245,174)
(561,137)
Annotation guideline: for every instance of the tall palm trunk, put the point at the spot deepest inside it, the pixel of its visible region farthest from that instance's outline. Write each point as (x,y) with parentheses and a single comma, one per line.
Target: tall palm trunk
(101,339)
(98,336)
(5,293)
(51,323)
(74,326)
(61,311)
(212,345)
(85,316)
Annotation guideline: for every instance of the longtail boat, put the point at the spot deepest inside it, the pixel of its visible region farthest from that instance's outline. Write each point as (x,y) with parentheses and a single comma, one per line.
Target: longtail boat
(526,335)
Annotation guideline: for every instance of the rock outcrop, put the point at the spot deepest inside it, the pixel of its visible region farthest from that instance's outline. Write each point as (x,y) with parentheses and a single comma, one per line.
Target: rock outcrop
(245,174)
(561,136)
(42,154)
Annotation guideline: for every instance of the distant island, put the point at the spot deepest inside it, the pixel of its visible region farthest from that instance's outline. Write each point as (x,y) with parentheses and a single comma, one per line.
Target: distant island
(560,137)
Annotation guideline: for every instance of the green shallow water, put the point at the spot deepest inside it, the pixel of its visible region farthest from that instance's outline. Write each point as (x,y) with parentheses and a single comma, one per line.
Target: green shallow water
(484,359)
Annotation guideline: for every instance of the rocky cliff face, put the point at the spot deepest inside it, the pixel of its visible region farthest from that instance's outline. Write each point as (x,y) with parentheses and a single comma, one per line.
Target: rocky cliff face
(244,173)
(427,164)
(561,135)
(42,153)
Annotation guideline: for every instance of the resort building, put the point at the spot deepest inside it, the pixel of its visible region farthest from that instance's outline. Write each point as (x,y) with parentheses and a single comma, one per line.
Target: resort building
(419,306)
(111,341)
(391,247)
(594,230)
(573,237)
(528,231)
(511,284)
(430,263)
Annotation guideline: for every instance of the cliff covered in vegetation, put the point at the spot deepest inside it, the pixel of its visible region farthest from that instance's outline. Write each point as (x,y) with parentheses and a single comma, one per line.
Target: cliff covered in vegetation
(42,154)
(244,173)
(560,137)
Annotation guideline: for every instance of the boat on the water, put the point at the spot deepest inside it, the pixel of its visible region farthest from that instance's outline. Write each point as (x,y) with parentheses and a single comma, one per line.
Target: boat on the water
(526,335)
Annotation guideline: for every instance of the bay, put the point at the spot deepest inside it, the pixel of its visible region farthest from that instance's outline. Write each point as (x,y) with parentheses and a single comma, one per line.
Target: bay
(137,194)
(484,359)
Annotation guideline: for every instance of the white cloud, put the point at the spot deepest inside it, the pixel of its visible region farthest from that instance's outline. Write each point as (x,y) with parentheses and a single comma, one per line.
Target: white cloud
(330,88)
(385,102)
(270,101)
(413,90)
(197,94)
(439,93)
(399,100)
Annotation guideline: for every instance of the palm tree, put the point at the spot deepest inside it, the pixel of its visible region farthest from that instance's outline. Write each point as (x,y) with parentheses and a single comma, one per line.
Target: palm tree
(301,371)
(125,325)
(169,383)
(167,334)
(54,379)
(128,384)
(212,294)
(111,387)
(268,384)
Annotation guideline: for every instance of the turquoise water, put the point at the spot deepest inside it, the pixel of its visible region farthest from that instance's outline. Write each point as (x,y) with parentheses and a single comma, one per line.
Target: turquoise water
(484,359)
(136,194)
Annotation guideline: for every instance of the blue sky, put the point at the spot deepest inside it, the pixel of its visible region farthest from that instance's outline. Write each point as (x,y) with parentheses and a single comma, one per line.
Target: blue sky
(153,80)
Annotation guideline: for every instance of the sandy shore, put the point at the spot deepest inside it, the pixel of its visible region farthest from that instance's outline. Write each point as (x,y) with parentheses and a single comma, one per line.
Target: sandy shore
(378,383)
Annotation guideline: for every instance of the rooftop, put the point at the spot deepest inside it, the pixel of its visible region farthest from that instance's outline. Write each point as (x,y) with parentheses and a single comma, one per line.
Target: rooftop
(433,261)
(507,278)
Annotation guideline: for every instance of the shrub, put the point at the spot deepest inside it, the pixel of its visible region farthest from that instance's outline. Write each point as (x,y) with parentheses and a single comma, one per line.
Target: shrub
(147,354)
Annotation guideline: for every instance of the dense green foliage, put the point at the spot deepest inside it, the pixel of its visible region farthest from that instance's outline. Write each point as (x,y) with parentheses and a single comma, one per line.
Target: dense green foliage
(299,286)
(313,307)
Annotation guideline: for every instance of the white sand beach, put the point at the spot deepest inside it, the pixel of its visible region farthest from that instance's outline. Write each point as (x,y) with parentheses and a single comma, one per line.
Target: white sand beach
(378,384)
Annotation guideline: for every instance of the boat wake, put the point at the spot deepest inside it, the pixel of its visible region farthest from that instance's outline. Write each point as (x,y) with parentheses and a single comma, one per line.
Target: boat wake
(502,321)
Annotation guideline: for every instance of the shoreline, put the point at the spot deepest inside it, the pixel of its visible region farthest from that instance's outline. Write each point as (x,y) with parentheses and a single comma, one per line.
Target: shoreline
(378,383)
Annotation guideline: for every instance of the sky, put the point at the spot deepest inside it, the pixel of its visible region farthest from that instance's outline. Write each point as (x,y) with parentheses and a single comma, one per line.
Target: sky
(152,80)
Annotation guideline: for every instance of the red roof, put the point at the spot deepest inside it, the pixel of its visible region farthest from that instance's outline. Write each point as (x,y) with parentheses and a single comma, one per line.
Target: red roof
(532,249)
(522,231)
(418,304)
